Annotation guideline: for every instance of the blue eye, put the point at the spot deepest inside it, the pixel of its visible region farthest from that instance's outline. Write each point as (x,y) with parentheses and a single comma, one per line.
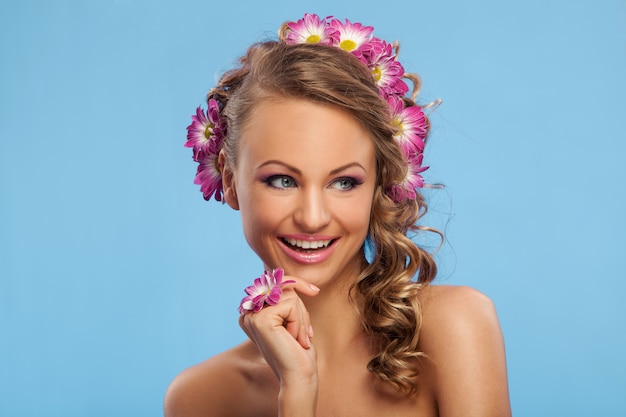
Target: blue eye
(281,181)
(345,184)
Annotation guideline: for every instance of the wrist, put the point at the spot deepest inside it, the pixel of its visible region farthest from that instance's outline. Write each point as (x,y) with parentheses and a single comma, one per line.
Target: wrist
(298,400)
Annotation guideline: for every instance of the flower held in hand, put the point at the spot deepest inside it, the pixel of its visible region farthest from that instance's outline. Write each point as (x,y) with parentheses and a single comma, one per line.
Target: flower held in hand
(265,290)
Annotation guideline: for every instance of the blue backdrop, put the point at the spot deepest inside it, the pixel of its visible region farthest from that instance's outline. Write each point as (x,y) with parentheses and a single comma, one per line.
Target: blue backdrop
(115,275)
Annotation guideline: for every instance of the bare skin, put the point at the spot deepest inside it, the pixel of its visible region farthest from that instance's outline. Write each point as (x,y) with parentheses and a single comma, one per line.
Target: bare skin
(314,166)
(464,376)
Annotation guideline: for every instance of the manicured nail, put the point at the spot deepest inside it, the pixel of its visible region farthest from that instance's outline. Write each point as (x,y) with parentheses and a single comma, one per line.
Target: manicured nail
(311,331)
(308,342)
(313,287)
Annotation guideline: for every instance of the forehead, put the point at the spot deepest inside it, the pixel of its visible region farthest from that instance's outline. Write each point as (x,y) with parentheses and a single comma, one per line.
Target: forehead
(304,131)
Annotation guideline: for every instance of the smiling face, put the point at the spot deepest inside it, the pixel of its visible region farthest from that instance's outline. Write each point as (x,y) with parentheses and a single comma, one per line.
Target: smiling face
(304,183)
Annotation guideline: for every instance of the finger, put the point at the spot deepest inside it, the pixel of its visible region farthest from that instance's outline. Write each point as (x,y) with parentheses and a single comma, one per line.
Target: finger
(290,314)
(304,329)
(302,286)
(244,325)
(299,325)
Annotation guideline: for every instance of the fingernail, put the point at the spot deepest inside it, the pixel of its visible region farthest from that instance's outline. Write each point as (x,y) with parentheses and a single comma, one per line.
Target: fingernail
(311,331)
(308,341)
(313,287)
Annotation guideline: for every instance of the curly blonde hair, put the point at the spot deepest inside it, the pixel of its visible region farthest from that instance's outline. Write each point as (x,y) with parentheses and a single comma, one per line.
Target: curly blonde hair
(385,294)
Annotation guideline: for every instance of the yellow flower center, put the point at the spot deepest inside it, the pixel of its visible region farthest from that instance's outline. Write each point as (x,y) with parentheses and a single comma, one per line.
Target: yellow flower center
(397,125)
(347,45)
(209,130)
(313,39)
(377,73)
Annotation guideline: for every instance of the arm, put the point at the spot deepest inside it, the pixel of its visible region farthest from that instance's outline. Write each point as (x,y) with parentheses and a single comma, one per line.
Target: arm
(282,334)
(463,339)
(238,381)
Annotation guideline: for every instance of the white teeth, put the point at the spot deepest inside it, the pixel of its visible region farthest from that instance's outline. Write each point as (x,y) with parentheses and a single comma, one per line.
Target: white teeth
(306,244)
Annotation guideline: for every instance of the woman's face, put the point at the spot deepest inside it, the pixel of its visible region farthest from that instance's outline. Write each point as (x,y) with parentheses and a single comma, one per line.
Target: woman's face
(304,183)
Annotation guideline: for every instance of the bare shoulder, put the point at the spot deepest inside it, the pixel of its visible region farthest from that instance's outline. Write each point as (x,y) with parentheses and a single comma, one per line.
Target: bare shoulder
(224,385)
(462,338)
(452,304)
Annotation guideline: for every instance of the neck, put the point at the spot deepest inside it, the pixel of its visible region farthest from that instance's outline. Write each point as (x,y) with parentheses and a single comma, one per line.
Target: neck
(336,323)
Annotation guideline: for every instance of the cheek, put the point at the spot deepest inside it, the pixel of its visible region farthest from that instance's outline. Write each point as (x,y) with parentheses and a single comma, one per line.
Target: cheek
(356,215)
(259,217)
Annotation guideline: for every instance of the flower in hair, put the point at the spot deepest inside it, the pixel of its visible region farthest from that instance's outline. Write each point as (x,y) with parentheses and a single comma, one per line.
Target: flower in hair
(205,129)
(312,29)
(264,290)
(352,35)
(410,124)
(387,71)
(205,135)
(412,180)
(209,175)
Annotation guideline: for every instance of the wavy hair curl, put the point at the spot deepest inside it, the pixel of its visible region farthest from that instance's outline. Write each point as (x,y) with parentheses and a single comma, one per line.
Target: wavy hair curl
(385,294)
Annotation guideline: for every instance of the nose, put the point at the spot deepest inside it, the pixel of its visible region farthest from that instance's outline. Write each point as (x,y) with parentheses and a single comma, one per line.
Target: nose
(312,212)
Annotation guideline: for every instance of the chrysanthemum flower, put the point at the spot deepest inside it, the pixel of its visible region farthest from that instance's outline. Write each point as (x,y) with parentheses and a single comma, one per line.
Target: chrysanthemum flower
(352,35)
(311,29)
(265,290)
(209,175)
(204,129)
(412,180)
(378,55)
(410,123)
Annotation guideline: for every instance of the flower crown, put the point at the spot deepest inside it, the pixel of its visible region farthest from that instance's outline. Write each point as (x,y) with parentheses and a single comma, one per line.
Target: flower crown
(207,130)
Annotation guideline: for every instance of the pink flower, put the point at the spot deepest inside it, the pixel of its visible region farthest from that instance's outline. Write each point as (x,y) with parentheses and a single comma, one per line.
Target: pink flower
(351,35)
(410,123)
(205,135)
(412,180)
(312,29)
(209,175)
(204,129)
(265,290)
(378,55)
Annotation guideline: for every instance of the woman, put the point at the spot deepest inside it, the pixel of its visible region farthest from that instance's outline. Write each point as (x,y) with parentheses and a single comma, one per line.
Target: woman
(313,140)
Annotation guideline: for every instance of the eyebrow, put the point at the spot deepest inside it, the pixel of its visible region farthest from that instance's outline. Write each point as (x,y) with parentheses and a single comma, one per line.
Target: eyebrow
(298,172)
(350,165)
(274,161)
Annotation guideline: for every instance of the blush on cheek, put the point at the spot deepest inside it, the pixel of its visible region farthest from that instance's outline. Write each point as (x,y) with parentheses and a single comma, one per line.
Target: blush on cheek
(258,227)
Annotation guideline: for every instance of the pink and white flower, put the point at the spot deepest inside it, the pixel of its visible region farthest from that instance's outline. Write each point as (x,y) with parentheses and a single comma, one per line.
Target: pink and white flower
(379,56)
(209,175)
(351,35)
(206,129)
(410,123)
(265,290)
(205,135)
(412,180)
(311,29)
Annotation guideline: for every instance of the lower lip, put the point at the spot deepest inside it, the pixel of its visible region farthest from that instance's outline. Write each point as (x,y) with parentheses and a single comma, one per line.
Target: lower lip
(308,257)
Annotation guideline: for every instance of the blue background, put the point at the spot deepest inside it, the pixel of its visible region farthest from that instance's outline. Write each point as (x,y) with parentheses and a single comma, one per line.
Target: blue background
(115,275)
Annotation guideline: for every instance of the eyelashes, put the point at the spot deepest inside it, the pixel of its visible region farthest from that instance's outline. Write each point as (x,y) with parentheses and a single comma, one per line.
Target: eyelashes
(346,183)
(283,182)
(280,181)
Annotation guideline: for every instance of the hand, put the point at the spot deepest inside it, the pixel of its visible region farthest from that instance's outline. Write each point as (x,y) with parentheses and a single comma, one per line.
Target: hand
(283,332)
